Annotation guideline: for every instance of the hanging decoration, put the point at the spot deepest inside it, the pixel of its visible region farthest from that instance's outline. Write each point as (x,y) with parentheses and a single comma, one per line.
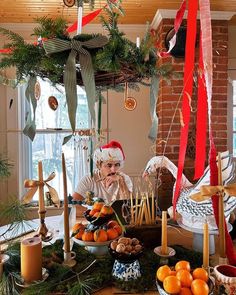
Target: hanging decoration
(69,3)
(37,90)
(53,103)
(130,102)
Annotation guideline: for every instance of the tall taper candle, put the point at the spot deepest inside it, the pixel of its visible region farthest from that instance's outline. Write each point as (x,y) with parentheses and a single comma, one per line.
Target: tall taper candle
(41,190)
(66,214)
(31,259)
(164,233)
(205,245)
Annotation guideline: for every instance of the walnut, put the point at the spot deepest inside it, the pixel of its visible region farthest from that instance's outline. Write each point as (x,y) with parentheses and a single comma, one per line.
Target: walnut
(123,241)
(138,248)
(135,241)
(120,248)
(114,245)
(128,248)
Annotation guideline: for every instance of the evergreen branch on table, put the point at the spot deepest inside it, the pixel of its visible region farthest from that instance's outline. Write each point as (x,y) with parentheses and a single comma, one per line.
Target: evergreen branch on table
(13,212)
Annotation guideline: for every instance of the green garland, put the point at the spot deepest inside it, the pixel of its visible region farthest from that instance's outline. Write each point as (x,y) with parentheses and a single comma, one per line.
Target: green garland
(90,273)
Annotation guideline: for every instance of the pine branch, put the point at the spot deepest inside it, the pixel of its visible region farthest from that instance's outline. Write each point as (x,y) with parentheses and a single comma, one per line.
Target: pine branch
(51,28)
(14,37)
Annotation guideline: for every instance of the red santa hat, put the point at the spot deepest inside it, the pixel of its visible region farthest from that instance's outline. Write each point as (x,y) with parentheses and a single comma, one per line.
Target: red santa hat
(110,152)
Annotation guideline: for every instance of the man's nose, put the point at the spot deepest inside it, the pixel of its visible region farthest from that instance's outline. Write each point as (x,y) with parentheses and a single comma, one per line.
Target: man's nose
(113,168)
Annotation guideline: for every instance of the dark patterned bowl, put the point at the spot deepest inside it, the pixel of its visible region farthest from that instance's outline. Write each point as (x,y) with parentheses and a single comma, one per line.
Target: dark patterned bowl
(97,220)
(123,257)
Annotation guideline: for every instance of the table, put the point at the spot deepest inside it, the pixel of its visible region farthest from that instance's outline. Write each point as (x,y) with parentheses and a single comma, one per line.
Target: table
(176,235)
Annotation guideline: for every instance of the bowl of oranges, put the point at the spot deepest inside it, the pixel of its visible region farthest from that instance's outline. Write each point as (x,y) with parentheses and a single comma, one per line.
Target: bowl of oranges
(182,280)
(96,238)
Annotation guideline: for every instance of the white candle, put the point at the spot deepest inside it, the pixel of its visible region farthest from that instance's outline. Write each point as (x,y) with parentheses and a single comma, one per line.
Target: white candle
(138,42)
(66,215)
(79,20)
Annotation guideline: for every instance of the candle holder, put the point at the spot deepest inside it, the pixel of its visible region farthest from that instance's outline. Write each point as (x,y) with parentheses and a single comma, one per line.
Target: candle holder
(3,259)
(43,232)
(164,258)
(19,281)
(69,259)
(223,260)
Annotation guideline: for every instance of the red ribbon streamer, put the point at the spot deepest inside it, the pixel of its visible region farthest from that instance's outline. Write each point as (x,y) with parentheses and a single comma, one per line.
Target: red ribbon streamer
(201,128)
(6,50)
(187,91)
(205,20)
(85,20)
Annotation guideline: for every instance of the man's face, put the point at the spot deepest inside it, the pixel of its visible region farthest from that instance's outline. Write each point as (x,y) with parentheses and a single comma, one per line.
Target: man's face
(109,168)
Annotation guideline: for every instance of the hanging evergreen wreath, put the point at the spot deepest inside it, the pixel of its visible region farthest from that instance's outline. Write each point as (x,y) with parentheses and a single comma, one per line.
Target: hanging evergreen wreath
(95,61)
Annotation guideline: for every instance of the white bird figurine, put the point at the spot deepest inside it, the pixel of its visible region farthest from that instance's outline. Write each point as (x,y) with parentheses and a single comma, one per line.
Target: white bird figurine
(194,213)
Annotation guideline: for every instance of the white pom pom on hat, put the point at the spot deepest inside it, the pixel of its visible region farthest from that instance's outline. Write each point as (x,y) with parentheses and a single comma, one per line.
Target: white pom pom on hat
(110,152)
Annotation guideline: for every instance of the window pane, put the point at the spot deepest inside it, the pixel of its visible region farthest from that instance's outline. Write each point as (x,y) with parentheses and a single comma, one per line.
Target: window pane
(47,118)
(234,119)
(48,149)
(234,144)
(234,92)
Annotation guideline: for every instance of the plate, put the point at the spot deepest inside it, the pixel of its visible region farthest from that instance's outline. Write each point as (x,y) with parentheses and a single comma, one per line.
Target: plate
(20,282)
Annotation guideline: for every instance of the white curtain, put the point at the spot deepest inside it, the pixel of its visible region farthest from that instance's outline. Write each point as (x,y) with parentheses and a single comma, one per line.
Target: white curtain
(81,158)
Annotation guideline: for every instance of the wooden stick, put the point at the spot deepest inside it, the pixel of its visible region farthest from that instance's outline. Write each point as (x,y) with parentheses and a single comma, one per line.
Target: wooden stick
(66,213)
(136,209)
(221,212)
(140,216)
(148,209)
(153,208)
(132,208)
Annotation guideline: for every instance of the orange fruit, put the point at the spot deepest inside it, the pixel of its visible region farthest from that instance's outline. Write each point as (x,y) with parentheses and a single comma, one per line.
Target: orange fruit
(100,235)
(199,287)
(112,234)
(185,278)
(182,264)
(185,291)
(112,223)
(200,273)
(93,211)
(173,273)
(118,229)
(98,205)
(163,272)
(107,210)
(171,285)
(77,226)
(79,234)
(87,236)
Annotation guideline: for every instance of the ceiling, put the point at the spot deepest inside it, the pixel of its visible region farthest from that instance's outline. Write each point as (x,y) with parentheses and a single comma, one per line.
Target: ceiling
(137,11)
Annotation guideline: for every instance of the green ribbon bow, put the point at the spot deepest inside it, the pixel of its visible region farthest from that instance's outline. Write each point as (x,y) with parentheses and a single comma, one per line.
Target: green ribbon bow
(86,67)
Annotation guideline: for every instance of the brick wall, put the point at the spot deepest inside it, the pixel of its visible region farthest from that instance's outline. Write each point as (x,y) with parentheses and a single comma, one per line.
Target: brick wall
(170,100)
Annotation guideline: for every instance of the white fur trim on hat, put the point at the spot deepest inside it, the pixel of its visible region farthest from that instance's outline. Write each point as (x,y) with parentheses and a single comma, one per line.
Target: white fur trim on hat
(110,152)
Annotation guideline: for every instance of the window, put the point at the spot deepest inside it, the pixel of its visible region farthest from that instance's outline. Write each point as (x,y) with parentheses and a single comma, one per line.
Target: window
(52,126)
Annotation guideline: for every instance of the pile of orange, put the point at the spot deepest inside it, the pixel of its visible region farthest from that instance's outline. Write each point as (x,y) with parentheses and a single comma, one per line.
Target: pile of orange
(108,232)
(100,210)
(182,281)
